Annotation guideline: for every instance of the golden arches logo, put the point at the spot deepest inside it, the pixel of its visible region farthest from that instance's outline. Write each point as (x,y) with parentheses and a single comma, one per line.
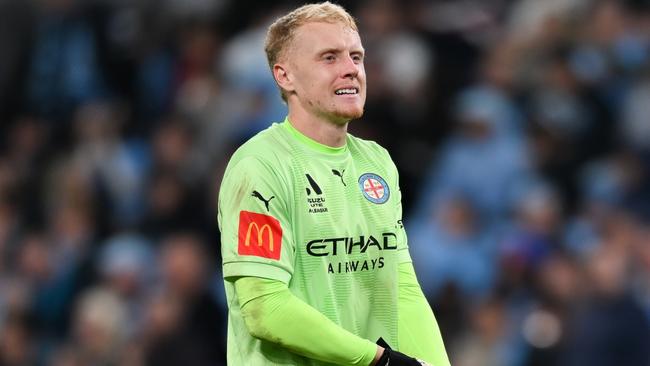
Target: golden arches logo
(266,229)
(260,233)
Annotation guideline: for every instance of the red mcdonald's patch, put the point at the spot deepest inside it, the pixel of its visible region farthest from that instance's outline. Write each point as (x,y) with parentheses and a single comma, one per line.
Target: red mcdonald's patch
(259,235)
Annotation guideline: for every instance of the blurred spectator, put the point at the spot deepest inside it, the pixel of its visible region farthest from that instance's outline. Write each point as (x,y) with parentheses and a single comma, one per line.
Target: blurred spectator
(610,328)
(99,328)
(64,70)
(485,342)
(545,326)
(184,326)
(126,264)
(535,233)
(27,149)
(453,248)
(175,150)
(528,17)
(171,206)
(117,168)
(16,347)
(483,158)
(198,86)
(253,94)
(50,280)
(9,230)
(635,127)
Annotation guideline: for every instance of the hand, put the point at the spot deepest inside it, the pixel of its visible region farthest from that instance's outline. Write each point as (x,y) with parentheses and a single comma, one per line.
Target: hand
(394,358)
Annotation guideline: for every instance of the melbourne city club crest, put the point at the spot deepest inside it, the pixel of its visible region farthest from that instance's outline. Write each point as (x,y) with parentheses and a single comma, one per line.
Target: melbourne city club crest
(374,188)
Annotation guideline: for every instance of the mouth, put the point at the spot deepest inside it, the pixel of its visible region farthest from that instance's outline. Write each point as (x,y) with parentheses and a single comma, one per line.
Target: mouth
(347,91)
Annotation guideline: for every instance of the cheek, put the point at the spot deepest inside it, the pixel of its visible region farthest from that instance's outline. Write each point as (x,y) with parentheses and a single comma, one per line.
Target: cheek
(302,80)
(312,93)
(362,77)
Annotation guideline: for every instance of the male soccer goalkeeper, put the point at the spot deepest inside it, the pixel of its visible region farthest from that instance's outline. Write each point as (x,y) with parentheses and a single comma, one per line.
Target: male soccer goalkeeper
(315,258)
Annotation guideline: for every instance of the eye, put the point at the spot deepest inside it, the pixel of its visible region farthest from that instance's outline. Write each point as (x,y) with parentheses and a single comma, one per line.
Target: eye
(357,58)
(329,57)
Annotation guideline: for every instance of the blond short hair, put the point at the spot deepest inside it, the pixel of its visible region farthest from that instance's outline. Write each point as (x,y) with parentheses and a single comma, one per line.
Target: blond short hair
(281,33)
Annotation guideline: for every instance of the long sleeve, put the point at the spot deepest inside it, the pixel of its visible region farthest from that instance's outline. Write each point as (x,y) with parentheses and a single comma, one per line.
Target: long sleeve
(272,313)
(419,334)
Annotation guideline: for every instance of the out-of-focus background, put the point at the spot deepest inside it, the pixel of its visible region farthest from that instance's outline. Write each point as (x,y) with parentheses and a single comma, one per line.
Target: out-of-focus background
(521,130)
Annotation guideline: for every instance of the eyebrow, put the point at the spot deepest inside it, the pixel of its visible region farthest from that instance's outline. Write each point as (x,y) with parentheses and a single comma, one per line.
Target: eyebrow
(340,50)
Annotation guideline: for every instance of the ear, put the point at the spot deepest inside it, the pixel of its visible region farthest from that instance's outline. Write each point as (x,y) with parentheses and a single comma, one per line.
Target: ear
(283,77)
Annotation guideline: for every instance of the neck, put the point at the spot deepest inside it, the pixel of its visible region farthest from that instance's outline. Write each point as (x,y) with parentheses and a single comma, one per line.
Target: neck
(319,129)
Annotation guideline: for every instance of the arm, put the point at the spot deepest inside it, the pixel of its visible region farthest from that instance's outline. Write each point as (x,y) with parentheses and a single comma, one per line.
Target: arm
(419,334)
(273,314)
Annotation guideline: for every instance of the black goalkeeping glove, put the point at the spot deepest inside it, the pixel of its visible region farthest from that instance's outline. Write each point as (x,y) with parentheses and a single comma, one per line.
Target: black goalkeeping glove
(394,358)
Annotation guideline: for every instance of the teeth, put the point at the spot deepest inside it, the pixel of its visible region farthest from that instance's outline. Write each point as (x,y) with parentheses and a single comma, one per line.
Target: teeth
(346,91)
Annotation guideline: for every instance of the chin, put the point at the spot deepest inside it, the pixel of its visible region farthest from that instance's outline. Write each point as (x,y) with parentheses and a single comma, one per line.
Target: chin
(357,115)
(343,118)
(352,113)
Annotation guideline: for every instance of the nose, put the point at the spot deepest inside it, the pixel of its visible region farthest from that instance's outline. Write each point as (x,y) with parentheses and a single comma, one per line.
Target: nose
(349,69)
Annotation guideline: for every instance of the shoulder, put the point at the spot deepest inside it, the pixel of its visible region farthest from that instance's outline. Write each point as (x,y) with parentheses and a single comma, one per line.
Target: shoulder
(258,164)
(369,147)
(266,157)
(267,148)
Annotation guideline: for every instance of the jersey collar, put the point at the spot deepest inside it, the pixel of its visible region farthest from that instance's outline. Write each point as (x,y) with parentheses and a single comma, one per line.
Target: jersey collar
(312,144)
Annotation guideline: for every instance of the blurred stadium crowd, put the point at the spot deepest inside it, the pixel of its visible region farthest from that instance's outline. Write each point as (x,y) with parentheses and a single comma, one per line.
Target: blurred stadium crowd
(521,129)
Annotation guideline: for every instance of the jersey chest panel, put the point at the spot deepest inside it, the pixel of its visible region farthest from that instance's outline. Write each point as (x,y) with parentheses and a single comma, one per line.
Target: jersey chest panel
(335,222)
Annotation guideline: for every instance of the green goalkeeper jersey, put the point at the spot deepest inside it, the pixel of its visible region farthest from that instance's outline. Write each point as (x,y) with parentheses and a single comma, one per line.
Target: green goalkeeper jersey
(325,221)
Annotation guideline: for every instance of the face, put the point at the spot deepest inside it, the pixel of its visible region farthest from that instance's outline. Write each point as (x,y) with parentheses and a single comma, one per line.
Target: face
(323,72)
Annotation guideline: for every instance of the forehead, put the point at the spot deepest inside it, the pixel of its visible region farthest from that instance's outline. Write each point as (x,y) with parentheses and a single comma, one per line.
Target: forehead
(315,36)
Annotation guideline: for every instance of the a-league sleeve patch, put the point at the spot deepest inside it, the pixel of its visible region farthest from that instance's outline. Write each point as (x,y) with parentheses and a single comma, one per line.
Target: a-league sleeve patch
(259,235)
